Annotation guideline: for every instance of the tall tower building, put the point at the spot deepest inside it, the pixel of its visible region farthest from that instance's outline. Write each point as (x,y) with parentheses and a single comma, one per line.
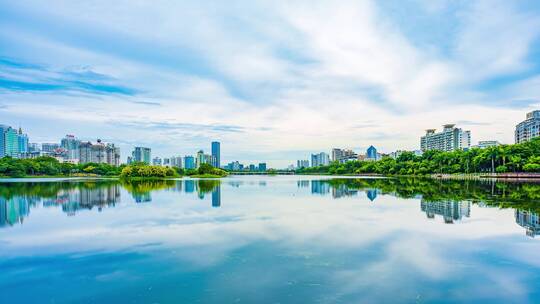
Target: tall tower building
(216,154)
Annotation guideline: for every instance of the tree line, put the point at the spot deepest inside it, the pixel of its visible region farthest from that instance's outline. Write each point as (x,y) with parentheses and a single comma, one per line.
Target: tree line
(523,157)
(49,166)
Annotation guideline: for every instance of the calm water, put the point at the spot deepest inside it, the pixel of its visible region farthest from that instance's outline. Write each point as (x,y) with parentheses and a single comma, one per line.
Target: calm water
(282,239)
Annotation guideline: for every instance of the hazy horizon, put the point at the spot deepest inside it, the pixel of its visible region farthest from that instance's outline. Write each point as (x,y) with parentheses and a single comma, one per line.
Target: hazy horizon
(273,82)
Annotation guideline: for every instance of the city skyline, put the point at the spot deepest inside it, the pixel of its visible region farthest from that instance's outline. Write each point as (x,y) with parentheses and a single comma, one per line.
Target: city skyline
(272,82)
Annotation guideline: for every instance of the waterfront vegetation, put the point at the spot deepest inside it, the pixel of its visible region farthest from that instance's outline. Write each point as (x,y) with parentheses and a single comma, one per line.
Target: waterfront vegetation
(51,167)
(524,157)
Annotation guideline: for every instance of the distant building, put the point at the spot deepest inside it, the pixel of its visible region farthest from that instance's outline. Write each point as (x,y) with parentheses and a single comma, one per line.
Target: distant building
(33,147)
(203,159)
(320,159)
(487,143)
(216,154)
(99,152)
(141,154)
(450,139)
(252,167)
(49,147)
(262,167)
(235,166)
(13,143)
(167,162)
(371,153)
(529,128)
(23,143)
(156,161)
(343,155)
(397,153)
(303,163)
(189,162)
(176,161)
(71,146)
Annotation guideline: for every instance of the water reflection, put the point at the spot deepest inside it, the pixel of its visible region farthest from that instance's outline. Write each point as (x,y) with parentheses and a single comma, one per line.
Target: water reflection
(86,197)
(450,210)
(14,210)
(449,200)
(528,220)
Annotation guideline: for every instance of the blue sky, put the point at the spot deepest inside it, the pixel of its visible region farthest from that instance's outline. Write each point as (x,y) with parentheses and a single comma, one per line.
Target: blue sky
(271,81)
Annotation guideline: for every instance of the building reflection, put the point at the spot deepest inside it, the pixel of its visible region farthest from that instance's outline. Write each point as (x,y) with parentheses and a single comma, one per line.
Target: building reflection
(82,198)
(15,209)
(189,186)
(216,196)
(320,187)
(372,194)
(528,220)
(450,210)
(302,183)
(342,190)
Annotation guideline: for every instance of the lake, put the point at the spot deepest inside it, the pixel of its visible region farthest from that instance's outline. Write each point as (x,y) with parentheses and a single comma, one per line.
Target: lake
(269,239)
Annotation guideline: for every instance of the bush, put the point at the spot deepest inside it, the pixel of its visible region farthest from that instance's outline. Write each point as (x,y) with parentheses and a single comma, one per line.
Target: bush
(501,169)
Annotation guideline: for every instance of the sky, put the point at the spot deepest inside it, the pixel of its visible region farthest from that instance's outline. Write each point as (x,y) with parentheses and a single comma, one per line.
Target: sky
(272,81)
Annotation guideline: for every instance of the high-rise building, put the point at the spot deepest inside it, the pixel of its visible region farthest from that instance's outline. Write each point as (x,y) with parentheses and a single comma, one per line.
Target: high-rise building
(450,139)
(343,155)
(302,163)
(71,146)
(3,129)
(23,143)
(49,147)
(371,153)
(189,162)
(99,152)
(176,161)
(33,147)
(141,154)
(200,158)
(156,161)
(320,159)
(13,143)
(262,167)
(529,128)
(216,154)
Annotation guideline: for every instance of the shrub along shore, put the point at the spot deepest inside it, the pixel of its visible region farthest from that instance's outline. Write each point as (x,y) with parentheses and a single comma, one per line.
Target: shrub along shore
(51,167)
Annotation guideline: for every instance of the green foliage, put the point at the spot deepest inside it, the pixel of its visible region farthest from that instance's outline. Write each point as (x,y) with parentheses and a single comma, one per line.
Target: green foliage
(48,166)
(143,170)
(505,158)
(209,170)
